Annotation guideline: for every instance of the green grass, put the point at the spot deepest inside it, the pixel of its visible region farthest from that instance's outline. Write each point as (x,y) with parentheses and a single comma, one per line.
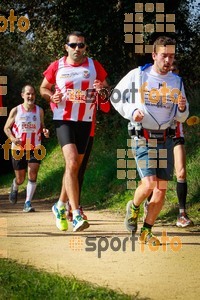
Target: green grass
(21,282)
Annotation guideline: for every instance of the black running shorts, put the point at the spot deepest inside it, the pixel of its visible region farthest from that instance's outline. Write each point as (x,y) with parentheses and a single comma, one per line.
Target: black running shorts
(179,141)
(21,159)
(71,132)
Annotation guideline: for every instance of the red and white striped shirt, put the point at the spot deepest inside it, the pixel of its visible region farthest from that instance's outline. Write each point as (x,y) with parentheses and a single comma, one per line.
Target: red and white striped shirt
(27,127)
(75,82)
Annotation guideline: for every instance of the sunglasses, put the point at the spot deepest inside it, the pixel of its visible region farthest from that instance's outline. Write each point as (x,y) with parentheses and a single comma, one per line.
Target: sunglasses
(74,45)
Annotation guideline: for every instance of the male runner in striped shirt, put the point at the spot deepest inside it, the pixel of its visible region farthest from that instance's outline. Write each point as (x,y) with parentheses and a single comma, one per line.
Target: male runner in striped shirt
(24,128)
(76,79)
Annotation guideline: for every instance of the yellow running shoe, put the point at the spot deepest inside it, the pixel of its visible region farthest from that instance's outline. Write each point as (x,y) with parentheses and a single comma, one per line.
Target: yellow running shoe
(131,217)
(60,214)
(147,237)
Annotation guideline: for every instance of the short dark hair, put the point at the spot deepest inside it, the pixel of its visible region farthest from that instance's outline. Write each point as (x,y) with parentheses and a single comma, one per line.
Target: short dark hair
(163,41)
(23,89)
(76,33)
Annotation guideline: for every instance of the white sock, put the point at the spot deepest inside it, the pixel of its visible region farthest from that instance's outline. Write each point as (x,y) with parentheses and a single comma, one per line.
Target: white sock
(15,185)
(60,204)
(68,205)
(30,190)
(76,212)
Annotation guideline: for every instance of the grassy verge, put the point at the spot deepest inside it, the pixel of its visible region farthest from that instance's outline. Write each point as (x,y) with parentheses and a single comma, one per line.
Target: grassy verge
(19,282)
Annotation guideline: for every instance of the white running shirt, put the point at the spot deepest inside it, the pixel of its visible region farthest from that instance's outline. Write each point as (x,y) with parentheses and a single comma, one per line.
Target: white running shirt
(27,127)
(159,105)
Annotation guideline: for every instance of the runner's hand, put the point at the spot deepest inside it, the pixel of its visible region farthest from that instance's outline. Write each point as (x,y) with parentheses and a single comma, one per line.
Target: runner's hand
(16,141)
(97,85)
(46,132)
(57,97)
(181,103)
(138,115)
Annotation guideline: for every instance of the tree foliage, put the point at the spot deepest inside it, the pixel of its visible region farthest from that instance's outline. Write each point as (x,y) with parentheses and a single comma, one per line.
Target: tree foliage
(103,23)
(24,56)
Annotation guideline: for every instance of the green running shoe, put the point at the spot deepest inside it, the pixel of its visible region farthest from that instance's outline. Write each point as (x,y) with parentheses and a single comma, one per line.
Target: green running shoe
(61,220)
(131,217)
(79,224)
(147,237)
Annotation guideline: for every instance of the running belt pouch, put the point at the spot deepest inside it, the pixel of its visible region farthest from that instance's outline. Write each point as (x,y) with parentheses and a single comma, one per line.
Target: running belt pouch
(159,135)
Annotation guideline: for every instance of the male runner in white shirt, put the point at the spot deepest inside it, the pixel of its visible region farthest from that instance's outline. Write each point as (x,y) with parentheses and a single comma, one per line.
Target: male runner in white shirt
(153,98)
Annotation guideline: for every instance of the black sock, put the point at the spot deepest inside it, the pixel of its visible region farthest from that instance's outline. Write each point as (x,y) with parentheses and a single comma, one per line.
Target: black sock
(146,225)
(181,190)
(136,206)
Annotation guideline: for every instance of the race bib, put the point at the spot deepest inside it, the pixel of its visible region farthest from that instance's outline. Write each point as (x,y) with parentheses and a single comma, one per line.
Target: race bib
(75,95)
(29,127)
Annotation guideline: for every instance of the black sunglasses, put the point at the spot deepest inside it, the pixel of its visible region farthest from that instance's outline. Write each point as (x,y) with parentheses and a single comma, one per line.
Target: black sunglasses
(74,45)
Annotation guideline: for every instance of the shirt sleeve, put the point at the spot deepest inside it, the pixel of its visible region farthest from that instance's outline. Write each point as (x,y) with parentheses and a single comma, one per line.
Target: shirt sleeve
(104,105)
(101,72)
(182,116)
(50,72)
(124,96)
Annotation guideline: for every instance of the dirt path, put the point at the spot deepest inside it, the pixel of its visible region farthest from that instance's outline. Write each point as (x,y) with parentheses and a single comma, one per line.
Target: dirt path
(170,272)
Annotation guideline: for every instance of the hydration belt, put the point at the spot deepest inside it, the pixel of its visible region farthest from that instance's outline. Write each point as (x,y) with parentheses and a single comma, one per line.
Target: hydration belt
(160,135)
